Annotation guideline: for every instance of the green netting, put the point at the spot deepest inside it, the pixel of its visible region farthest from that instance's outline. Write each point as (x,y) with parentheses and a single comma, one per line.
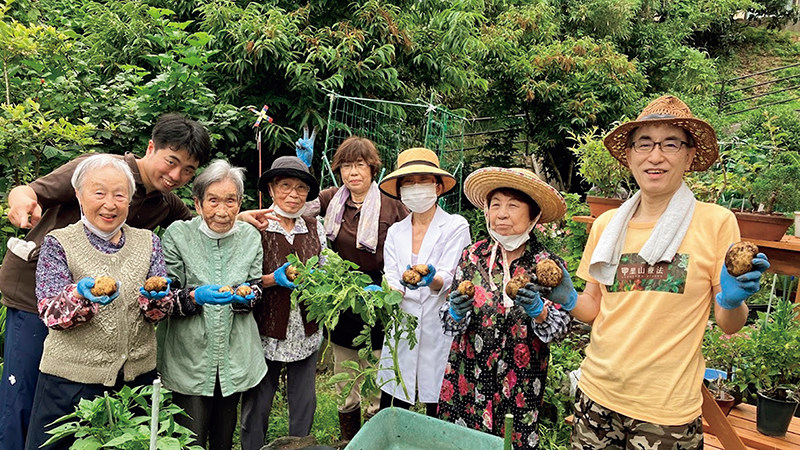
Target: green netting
(394,127)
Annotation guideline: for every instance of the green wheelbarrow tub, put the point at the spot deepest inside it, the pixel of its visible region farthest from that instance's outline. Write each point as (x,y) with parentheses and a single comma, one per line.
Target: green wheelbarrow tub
(396,428)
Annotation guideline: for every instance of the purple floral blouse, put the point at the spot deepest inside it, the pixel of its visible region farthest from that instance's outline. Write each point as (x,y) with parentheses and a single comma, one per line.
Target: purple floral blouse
(60,306)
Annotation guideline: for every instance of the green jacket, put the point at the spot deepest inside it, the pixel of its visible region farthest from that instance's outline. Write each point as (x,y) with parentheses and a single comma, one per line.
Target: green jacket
(193,349)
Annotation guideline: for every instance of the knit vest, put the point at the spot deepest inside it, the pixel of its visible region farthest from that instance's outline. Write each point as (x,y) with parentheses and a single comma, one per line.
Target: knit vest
(272,312)
(117,337)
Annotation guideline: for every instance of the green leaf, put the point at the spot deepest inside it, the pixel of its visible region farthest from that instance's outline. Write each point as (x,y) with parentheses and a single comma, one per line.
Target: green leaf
(118,441)
(169,443)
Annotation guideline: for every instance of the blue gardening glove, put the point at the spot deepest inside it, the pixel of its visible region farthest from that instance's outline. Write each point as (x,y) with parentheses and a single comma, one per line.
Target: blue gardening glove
(305,146)
(564,294)
(428,279)
(425,281)
(209,294)
(280,277)
(528,298)
(736,290)
(156,295)
(372,288)
(459,304)
(85,286)
(242,300)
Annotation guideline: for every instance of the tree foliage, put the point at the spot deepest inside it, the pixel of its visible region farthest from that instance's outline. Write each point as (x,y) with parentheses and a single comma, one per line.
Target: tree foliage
(543,68)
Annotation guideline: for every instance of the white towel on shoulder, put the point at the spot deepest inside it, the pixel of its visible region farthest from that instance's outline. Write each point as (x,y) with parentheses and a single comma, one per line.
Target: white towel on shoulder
(662,245)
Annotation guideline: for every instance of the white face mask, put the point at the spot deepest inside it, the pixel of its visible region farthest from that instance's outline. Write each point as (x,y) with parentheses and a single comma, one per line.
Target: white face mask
(204,228)
(512,241)
(419,197)
(283,213)
(104,235)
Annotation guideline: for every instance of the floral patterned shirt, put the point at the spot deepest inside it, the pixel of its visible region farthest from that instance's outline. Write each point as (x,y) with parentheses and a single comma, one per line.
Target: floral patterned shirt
(499,356)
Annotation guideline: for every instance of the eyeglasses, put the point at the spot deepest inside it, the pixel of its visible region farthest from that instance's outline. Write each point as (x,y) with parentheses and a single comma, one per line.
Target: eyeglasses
(667,145)
(284,187)
(347,167)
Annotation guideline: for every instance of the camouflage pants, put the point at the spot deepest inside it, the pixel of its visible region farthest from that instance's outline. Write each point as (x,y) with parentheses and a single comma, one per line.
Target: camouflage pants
(597,427)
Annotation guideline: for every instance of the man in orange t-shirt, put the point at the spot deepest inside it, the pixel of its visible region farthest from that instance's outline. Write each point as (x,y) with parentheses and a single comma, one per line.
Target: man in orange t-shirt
(653,268)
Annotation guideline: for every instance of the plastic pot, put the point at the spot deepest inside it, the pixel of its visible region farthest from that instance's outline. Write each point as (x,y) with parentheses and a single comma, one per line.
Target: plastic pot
(774,416)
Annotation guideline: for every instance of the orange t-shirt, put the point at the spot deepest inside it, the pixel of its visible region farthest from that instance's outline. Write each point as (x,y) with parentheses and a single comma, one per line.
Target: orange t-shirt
(645,357)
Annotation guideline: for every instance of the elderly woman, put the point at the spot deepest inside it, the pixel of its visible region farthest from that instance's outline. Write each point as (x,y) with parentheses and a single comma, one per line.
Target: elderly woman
(208,350)
(98,341)
(287,336)
(498,360)
(357,217)
(432,238)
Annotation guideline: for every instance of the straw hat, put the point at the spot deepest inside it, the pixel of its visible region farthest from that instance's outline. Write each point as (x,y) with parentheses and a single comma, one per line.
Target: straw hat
(416,161)
(671,111)
(482,182)
(289,166)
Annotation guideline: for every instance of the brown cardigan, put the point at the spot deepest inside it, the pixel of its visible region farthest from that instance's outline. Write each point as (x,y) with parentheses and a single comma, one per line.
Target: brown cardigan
(272,312)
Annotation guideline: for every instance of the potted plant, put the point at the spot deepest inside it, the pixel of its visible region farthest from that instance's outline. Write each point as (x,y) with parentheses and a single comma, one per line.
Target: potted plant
(608,176)
(720,351)
(770,359)
(777,189)
(768,184)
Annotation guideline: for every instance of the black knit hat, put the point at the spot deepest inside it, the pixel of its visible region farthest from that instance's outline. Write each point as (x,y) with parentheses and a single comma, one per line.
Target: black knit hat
(289,166)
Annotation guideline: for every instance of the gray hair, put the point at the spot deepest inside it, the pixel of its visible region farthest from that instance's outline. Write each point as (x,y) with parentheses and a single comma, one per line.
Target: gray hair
(218,170)
(97,162)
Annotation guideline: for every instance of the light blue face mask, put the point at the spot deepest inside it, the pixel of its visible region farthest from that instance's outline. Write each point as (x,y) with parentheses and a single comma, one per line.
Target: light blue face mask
(204,228)
(104,235)
(283,213)
(513,241)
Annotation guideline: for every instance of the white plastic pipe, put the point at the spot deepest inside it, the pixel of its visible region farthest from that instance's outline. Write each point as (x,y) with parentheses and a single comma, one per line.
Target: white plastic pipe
(154,417)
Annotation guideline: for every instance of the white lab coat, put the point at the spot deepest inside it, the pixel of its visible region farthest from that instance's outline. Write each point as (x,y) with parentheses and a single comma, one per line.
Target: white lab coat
(423,367)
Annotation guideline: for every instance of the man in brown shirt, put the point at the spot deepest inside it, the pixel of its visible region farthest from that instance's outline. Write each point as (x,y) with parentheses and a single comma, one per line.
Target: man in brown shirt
(178,146)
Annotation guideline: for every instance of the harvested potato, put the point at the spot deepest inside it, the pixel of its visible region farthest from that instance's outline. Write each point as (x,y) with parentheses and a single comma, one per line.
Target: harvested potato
(549,273)
(421,269)
(291,273)
(157,284)
(104,286)
(516,283)
(244,291)
(411,276)
(226,289)
(739,259)
(466,288)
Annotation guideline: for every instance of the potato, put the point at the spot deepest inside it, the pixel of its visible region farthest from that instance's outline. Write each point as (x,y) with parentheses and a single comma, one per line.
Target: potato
(291,273)
(244,291)
(466,288)
(411,276)
(421,269)
(549,273)
(104,286)
(739,258)
(516,283)
(157,284)
(225,289)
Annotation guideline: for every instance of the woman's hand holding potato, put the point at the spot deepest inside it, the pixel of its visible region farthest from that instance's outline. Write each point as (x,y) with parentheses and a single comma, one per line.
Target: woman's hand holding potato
(461,300)
(156,288)
(102,290)
(418,276)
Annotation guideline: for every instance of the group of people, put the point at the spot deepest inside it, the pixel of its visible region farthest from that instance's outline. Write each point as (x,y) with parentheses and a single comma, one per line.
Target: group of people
(226,325)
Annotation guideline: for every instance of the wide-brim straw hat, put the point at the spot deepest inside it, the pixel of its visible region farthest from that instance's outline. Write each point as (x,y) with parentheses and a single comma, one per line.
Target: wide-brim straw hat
(671,111)
(289,166)
(482,182)
(416,161)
